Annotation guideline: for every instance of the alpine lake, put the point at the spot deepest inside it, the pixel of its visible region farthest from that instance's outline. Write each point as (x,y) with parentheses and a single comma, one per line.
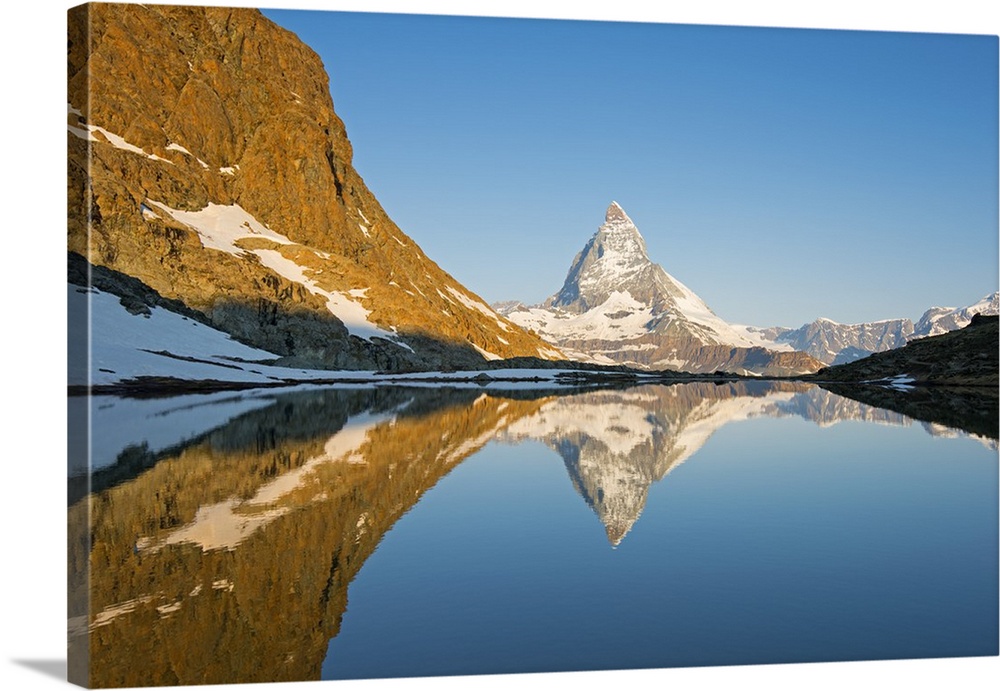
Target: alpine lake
(386,531)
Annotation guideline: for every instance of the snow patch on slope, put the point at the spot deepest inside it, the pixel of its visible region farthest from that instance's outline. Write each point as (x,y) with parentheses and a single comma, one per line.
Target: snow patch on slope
(87,132)
(478,306)
(220,227)
(126,346)
(174,146)
(618,317)
(485,353)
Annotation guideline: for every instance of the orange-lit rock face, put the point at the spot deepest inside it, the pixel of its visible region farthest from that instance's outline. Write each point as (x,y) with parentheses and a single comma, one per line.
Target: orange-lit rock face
(184,110)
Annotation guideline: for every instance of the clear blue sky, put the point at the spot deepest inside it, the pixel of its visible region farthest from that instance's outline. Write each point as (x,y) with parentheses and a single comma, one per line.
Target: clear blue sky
(781,174)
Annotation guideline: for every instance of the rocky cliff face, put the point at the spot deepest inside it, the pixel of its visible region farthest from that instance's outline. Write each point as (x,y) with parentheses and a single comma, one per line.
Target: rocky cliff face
(618,306)
(207,161)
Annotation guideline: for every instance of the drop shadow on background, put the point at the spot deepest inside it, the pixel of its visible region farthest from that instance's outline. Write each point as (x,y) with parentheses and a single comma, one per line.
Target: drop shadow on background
(50,668)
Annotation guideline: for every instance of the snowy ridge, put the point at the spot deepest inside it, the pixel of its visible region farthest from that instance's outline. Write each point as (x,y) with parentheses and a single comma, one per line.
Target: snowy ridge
(939,320)
(693,309)
(615,302)
(835,343)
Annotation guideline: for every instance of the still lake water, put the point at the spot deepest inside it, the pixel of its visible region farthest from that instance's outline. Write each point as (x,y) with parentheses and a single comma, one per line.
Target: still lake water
(338,533)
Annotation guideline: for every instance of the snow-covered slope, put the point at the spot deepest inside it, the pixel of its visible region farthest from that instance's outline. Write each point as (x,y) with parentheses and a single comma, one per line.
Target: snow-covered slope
(158,342)
(163,344)
(617,305)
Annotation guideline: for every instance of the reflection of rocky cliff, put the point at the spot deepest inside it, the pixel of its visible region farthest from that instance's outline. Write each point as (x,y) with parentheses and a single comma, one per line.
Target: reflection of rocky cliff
(229,561)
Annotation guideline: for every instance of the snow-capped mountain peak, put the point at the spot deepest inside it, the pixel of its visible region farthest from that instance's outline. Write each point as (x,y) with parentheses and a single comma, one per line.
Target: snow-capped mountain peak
(615,253)
(617,305)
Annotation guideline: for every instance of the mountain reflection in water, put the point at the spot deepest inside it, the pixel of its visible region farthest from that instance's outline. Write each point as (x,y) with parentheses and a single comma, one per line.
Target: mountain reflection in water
(224,554)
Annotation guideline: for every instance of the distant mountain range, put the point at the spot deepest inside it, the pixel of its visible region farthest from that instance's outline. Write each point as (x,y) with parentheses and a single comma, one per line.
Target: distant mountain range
(834,344)
(616,306)
(965,356)
(939,320)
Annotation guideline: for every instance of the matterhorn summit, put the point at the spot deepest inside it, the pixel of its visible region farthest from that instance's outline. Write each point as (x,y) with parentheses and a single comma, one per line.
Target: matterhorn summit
(617,306)
(614,254)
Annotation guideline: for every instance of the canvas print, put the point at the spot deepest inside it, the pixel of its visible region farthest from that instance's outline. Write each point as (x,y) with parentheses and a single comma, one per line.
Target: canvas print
(417,346)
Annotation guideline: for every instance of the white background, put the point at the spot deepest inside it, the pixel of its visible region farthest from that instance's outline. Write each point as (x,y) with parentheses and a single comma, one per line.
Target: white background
(33,336)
